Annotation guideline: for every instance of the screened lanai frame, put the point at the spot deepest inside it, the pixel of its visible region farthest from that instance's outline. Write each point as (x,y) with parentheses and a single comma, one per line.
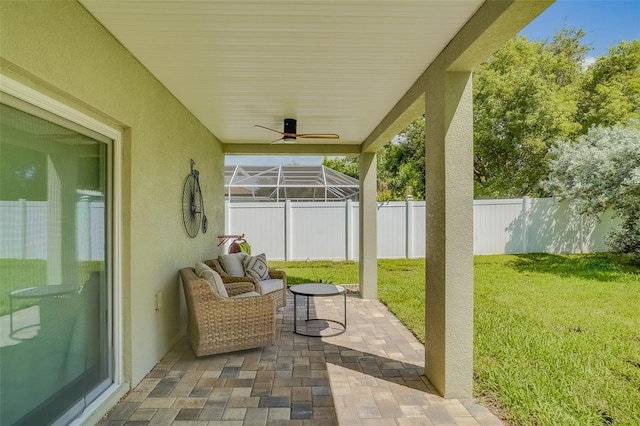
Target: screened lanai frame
(291,182)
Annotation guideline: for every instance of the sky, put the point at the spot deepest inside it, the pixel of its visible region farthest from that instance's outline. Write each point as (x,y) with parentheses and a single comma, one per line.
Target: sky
(605,22)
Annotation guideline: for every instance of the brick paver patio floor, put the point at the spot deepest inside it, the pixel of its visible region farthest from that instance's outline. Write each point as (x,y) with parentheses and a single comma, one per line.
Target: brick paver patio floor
(372,374)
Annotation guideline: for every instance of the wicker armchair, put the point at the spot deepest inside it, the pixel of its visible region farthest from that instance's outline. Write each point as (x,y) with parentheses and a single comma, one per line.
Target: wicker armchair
(217,324)
(279,297)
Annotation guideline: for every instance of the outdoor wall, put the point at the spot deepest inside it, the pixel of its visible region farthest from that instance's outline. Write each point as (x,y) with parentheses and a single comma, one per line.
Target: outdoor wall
(58,49)
(319,230)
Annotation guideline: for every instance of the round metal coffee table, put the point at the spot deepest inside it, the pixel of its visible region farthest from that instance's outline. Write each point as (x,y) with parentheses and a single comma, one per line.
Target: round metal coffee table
(37,293)
(317,290)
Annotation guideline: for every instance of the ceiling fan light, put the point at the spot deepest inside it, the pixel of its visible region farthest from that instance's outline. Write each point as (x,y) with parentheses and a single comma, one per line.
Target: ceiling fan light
(290,125)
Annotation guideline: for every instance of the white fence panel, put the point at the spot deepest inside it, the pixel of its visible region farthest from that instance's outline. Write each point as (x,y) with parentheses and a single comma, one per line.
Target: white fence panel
(330,230)
(308,230)
(263,225)
(392,230)
(492,227)
(551,227)
(90,229)
(318,231)
(33,229)
(24,230)
(595,232)
(419,230)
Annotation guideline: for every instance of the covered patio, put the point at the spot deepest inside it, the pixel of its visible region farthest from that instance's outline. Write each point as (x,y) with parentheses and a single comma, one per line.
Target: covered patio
(373,374)
(160,85)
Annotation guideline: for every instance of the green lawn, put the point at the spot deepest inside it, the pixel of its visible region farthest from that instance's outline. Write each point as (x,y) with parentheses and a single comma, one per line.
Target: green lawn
(557,338)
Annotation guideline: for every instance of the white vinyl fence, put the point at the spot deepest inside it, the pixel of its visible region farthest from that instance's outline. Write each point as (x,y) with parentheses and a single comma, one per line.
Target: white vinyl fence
(329,230)
(24,229)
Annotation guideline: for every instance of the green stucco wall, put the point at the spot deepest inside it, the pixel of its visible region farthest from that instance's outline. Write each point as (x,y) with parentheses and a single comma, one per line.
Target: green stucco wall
(59,49)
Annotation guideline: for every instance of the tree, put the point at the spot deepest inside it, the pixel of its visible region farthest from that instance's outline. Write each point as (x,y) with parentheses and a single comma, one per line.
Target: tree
(24,173)
(525,97)
(401,166)
(602,172)
(347,165)
(611,88)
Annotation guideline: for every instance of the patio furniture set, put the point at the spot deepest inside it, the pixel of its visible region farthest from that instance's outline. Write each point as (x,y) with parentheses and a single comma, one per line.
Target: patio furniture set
(232,303)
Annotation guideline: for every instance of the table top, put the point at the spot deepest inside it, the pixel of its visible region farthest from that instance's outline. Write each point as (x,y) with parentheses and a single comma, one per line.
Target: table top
(44,291)
(317,289)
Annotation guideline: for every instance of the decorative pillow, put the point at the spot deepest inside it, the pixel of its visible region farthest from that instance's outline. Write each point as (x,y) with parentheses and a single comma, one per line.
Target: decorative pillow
(256,266)
(214,279)
(232,264)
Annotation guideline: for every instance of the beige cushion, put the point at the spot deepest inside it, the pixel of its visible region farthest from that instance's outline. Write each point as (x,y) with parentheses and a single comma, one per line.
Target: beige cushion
(256,266)
(269,286)
(232,264)
(214,279)
(249,294)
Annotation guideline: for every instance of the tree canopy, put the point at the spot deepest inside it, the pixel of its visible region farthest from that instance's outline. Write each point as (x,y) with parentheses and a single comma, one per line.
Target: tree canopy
(525,97)
(611,88)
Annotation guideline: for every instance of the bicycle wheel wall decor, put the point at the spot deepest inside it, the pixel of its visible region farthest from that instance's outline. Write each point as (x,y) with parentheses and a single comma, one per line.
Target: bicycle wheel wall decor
(192,205)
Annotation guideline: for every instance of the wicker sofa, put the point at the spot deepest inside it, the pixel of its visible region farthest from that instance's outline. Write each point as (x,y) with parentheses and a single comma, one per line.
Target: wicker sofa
(279,296)
(217,324)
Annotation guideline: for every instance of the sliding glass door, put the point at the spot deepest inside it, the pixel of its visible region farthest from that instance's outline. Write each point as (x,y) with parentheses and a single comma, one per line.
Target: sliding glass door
(56,349)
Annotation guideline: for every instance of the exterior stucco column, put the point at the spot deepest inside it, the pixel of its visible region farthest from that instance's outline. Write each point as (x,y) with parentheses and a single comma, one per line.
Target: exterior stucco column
(368,247)
(449,250)
(62,183)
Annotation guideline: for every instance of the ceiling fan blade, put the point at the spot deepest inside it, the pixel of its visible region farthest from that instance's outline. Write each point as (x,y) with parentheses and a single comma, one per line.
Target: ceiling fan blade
(277,141)
(289,135)
(263,127)
(318,136)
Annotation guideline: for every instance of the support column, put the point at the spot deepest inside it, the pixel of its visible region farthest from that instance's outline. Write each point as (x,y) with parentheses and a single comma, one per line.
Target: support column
(62,183)
(349,230)
(449,248)
(368,239)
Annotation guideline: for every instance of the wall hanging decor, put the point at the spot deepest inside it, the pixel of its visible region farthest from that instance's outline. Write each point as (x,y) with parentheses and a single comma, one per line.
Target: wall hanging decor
(192,204)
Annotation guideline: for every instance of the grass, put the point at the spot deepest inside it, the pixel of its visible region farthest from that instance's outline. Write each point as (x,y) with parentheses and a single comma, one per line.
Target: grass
(557,338)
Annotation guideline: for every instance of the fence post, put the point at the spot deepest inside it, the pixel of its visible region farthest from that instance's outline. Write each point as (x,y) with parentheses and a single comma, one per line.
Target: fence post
(586,232)
(227,209)
(409,227)
(526,210)
(23,228)
(348,229)
(288,238)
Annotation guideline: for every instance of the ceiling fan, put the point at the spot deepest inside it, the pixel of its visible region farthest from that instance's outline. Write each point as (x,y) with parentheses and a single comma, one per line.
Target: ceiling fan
(289,134)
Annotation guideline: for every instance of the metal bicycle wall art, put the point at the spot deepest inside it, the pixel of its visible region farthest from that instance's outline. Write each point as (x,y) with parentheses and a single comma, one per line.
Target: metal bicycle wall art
(192,205)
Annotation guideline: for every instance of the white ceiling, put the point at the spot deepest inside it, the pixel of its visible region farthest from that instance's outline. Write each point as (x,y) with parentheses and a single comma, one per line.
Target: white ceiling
(336,66)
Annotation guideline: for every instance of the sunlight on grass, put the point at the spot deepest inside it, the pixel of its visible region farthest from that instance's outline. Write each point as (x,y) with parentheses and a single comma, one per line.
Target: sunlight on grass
(557,338)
